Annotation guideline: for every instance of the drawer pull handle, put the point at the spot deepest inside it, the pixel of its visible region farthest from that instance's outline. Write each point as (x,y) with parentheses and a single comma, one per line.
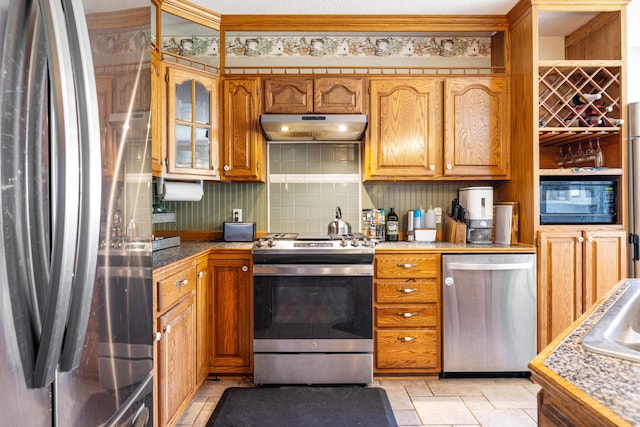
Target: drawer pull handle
(407,315)
(182,282)
(407,339)
(407,290)
(407,265)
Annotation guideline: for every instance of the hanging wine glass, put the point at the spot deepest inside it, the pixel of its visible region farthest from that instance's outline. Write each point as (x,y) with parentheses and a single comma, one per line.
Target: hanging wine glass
(599,160)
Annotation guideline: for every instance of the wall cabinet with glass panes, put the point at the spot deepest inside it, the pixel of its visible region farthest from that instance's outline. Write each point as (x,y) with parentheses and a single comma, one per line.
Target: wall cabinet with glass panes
(186,56)
(192,125)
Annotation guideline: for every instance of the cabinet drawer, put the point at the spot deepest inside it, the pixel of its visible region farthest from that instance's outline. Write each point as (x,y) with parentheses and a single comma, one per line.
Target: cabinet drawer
(175,287)
(417,349)
(409,292)
(407,267)
(407,317)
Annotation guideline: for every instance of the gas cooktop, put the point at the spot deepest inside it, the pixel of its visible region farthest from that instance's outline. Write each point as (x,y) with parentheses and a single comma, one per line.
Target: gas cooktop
(303,244)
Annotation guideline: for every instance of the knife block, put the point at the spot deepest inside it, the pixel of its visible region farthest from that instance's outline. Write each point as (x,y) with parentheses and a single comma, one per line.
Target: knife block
(454,231)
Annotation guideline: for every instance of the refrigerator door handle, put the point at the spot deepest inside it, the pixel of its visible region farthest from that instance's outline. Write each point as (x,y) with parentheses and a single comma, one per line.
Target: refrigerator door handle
(90,184)
(64,191)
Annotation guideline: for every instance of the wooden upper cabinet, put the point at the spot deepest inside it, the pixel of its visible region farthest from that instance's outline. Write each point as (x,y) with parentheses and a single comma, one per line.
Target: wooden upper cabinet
(476,127)
(192,117)
(335,95)
(288,95)
(242,152)
(405,129)
(326,95)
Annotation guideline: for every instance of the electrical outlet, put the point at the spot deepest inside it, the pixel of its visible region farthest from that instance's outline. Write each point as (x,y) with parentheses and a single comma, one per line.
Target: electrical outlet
(237,215)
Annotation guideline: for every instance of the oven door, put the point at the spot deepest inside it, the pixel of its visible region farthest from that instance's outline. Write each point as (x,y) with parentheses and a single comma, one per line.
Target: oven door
(313,308)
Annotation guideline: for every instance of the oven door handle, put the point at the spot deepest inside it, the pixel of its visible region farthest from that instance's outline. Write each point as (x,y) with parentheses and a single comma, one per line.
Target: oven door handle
(313,270)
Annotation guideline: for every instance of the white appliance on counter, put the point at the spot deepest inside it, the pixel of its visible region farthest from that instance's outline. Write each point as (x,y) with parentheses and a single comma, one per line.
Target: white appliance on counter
(489,314)
(478,204)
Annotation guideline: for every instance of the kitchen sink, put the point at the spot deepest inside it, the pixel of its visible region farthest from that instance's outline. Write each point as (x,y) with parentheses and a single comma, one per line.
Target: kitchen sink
(617,333)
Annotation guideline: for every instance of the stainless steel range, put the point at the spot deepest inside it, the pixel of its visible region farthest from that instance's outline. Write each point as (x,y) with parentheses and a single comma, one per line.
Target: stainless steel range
(313,304)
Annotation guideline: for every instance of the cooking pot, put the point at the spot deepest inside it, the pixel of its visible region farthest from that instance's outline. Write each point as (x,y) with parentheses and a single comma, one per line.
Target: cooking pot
(338,226)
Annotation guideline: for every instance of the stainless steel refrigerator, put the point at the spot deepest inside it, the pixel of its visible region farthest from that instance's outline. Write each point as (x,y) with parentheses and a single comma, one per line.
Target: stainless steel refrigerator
(634,189)
(76,325)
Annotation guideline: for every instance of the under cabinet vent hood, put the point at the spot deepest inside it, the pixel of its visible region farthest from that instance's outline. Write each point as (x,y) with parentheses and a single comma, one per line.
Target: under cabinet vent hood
(313,127)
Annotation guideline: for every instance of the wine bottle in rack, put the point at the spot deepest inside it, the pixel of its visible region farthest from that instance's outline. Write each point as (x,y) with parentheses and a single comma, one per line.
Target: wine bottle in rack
(584,98)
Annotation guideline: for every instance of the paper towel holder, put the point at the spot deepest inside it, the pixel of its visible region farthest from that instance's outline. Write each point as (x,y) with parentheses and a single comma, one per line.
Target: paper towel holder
(160,185)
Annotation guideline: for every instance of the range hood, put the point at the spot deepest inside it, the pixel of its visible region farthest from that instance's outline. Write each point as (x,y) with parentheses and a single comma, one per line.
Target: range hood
(313,127)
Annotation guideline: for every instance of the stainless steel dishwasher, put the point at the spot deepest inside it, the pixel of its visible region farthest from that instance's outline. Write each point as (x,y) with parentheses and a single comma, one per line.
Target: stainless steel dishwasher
(489,314)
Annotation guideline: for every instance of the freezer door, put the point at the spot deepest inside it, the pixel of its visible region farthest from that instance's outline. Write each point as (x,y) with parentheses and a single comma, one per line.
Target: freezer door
(489,313)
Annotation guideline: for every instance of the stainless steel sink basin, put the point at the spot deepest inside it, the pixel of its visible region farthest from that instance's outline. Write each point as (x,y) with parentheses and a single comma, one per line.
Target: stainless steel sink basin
(617,333)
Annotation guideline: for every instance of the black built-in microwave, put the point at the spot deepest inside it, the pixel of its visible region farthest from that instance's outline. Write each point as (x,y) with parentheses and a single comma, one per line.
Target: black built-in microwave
(573,201)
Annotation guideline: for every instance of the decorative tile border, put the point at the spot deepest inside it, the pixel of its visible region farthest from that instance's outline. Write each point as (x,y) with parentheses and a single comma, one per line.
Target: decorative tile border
(331,46)
(341,46)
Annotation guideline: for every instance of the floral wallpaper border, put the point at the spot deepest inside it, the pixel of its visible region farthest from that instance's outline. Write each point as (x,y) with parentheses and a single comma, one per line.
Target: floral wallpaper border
(331,46)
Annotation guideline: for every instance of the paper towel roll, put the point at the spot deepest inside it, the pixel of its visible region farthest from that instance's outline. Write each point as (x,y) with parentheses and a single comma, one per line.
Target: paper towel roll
(182,191)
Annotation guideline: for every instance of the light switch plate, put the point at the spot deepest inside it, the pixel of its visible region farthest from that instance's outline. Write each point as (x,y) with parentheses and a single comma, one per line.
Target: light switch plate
(237,215)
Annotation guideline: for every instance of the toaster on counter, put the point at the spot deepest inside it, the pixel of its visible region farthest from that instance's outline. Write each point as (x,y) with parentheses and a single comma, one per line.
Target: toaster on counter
(239,231)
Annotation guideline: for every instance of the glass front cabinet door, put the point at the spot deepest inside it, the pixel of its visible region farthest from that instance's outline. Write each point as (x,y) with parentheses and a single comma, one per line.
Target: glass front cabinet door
(193,123)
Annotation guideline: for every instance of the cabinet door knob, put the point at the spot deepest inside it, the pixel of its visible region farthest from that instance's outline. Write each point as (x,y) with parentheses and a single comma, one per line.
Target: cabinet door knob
(589,239)
(245,268)
(201,274)
(432,167)
(407,339)
(226,168)
(407,290)
(167,329)
(182,282)
(449,167)
(580,239)
(157,336)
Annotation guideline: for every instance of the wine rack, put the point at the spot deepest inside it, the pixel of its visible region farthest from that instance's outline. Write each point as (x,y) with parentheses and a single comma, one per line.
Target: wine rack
(578,102)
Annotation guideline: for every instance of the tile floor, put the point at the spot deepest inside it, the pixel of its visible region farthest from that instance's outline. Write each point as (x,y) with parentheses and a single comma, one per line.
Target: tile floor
(428,402)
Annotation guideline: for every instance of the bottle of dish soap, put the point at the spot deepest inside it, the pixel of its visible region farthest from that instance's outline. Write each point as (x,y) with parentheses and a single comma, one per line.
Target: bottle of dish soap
(392,226)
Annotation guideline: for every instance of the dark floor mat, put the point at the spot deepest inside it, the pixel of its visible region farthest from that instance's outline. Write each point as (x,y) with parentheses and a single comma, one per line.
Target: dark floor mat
(303,406)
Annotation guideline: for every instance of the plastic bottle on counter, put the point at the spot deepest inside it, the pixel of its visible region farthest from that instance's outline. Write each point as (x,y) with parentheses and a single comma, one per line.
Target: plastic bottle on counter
(417,219)
(392,226)
(430,218)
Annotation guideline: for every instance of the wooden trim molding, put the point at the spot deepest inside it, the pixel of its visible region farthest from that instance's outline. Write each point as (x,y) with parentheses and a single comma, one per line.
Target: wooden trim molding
(357,23)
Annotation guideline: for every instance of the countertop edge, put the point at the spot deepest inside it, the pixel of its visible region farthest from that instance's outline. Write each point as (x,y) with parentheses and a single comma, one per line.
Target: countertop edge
(165,257)
(574,333)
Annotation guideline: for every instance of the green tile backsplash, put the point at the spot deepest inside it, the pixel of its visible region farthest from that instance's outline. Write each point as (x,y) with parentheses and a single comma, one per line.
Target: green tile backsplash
(306,183)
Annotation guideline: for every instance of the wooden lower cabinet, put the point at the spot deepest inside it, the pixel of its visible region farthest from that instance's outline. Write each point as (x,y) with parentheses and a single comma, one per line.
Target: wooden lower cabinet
(230,310)
(407,313)
(176,360)
(576,267)
(176,305)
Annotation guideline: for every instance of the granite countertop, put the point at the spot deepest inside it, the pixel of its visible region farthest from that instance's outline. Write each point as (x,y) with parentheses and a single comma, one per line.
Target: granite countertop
(610,381)
(164,257)
(187,249)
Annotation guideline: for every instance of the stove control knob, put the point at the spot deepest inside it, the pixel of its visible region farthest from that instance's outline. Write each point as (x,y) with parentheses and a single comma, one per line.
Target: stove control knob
(365,242)
(355,242)
(343,242)
(271,243)
(260,243)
